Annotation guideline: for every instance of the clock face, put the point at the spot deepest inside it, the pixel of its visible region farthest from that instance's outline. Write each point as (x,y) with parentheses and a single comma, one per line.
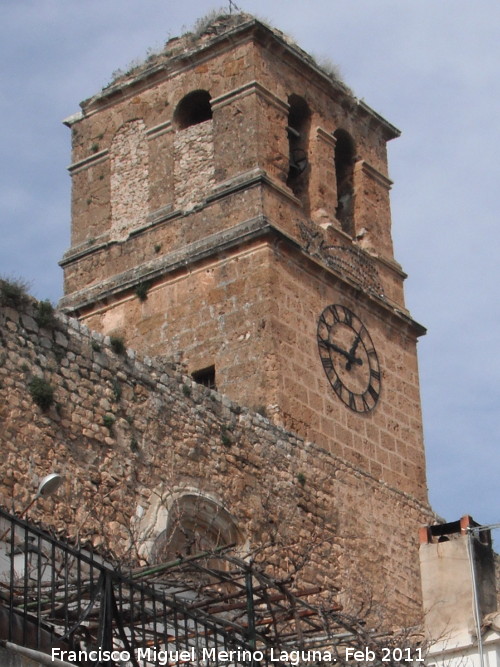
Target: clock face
(349,358)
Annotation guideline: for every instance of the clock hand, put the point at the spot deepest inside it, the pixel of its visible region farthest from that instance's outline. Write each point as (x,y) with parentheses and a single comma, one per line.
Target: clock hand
(336,348)
(354,346)
(351,359)
(352,354)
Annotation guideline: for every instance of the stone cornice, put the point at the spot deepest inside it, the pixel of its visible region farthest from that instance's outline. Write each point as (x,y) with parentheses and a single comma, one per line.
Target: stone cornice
(199,52)
(159,130)
(247,180)
(375,174)
(167,68)
(250,88)
(325,136)
(178,259)
(75,253)
(90,161)
(223,241)
(391,130)
(389,307)
(167,214)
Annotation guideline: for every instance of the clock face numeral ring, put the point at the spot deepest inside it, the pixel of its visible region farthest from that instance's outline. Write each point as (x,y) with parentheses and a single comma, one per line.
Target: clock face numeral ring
(349,358)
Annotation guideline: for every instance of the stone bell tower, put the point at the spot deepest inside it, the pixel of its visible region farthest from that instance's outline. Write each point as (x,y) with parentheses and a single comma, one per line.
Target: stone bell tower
(231,204)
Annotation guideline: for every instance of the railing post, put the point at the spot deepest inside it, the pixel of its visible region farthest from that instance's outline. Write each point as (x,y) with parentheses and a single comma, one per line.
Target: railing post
(250,609)
(106,615)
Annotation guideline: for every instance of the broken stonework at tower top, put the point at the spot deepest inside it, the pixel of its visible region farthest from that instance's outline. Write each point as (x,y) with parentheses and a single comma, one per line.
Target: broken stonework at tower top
(207,29)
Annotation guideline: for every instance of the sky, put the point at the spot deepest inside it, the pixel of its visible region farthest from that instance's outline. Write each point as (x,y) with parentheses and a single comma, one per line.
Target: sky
(431,67)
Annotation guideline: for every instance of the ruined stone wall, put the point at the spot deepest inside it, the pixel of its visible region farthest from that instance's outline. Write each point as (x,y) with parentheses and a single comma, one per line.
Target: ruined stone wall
(131,433)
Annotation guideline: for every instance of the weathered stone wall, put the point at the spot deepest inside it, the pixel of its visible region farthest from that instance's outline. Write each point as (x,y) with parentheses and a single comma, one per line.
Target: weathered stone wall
(234,272)
(249,84)
(216,314)
(129,157)
(193,165)
(130,433)
(386,442)
(253,314)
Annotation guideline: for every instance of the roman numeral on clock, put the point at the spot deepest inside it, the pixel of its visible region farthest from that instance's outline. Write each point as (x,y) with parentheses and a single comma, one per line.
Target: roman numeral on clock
(327,363)
(335,313)
(347,317)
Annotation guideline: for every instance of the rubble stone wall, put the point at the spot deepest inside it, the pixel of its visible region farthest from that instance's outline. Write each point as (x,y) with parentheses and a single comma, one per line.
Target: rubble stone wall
(129,179)
(129,433)
(193,165)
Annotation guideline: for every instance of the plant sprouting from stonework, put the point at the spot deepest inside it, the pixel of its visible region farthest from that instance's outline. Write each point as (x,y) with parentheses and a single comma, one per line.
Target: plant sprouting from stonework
(301,478)
(108,421)
(205,21)
(117,344)
(41,392)
(328,67)
(225,437)
(44,314)
(117,389)
(13,292)
(142,289)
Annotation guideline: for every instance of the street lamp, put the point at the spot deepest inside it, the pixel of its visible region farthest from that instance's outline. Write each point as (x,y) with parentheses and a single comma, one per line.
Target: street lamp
(48,485)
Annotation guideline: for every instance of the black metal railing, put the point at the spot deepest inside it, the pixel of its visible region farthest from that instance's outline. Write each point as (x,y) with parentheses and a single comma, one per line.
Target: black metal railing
(57,596)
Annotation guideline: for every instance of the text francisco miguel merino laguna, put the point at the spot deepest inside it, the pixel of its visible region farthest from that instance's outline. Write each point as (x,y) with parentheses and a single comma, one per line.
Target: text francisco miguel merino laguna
(210,655)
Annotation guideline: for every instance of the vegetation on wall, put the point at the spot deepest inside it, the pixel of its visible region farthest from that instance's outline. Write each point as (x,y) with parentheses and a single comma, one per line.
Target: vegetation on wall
(13,292)
(41,392)
(44,314)
(108,421)
(117,344)
(142,289)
